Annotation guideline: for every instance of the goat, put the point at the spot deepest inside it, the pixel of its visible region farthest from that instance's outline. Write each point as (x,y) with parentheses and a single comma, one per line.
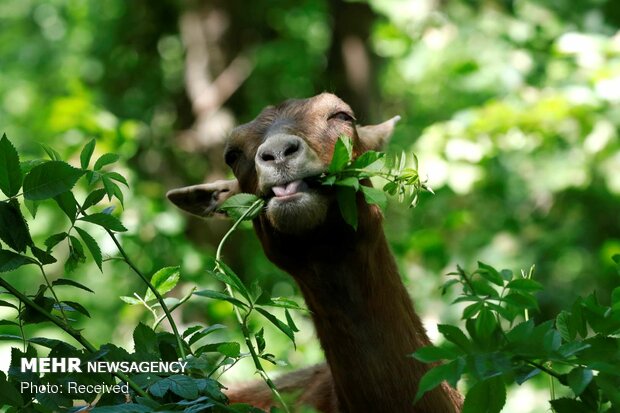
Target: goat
(363,315)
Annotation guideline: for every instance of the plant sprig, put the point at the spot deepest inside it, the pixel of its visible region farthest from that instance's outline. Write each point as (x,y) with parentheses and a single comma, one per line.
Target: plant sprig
(578,349)
(346,174)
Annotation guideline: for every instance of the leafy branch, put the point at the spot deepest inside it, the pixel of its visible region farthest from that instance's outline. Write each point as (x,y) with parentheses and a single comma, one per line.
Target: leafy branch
(37,181)
(349,175)
(495,350)
(244,207)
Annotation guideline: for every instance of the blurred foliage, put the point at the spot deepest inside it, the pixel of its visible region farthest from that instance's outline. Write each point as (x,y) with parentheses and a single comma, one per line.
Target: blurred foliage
(510,105)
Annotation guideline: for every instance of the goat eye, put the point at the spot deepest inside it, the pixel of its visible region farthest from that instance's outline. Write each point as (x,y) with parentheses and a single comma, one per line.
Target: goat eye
(343,116)
(231,156)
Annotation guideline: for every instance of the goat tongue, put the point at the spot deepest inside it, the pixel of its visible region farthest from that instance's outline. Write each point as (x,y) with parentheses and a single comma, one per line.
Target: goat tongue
(290,188)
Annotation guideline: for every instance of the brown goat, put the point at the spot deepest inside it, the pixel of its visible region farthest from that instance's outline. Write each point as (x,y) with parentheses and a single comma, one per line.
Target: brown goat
(363,316)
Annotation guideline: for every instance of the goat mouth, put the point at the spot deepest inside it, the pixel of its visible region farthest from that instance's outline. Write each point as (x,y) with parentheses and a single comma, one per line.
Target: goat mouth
(289,190)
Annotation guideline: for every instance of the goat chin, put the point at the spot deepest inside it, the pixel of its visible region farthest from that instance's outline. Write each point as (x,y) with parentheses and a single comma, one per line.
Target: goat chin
(296,216)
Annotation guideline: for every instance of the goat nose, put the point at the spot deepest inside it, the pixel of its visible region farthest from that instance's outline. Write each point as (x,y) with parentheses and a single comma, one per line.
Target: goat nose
(278,149)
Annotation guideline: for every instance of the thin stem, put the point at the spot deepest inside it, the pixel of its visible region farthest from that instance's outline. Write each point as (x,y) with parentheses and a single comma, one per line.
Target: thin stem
(49,285)
(148,307)
(159,297)
(174,307)
(552,387)
(547,370)
(151,287)
(243,320)
(77,336)
(21,326)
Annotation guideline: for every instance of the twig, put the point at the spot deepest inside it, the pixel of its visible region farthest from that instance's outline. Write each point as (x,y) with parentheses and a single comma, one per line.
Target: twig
(241,320)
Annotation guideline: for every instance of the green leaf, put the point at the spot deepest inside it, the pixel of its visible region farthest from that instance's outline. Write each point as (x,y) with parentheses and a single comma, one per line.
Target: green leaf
(430,354)
(471,310)
(506,274)
(524,284)
(105,159)
(230,349)
(455,335)
(44,257)
(485,325)
(564,326)
(104,220)
(615,298)
(552,341)
(482,287)
(163,280)
(568,349)
(205,332)
(329,181)
(76,254)
(130,300)
(566,405)
(92,246)
(282,302)
(226,275)
(260,340)
(450,372)
(10,261)
(122,408)
(145,340)
(351,182)
(370,160)
(73,306)
(391,188)
(66,201)
(520,332)
(488,396)
(239,204)
(51,152)
(343,153)
(578,379)
(290,321)
(374,196)
(521,301)
(50,179)
(87,153)
(53,240)
(109,186)
(10,171)
(490,273)
(117,177)
(279,324)
(66,281)
(13,228)
(211,348)
(191,330)
(183,386)
(8,323)
(9,395)
(347,204)
(93,198)
(7,304)
(32,206)
(221,296)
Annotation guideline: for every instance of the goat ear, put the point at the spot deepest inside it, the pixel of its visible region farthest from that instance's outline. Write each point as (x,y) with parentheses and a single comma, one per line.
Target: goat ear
(203,200)
(376,137)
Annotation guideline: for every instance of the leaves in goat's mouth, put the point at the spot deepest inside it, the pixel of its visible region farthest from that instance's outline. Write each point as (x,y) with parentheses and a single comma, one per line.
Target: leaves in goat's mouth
(243,207)
(345,173)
